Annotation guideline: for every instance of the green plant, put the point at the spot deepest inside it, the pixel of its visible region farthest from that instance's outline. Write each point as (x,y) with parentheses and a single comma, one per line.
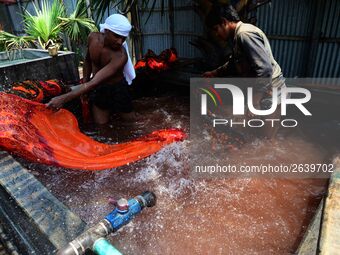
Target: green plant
(45,24)
(77,26)
(9,41)
(49,21)
(2,46)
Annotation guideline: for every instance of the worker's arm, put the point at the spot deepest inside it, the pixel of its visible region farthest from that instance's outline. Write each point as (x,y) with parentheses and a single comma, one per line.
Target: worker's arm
(254,49)
(117,63)
(220,71)
(260,63)
(224,69)
(101,76)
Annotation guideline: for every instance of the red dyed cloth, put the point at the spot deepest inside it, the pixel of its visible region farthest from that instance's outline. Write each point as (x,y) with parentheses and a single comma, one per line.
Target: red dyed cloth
(38,91)
(32,131)
(157,63)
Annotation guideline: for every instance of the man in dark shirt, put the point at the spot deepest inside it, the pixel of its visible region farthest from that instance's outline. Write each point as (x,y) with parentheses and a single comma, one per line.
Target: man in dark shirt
(252,56)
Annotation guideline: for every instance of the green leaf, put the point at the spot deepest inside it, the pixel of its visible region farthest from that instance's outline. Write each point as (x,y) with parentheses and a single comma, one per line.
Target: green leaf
(44,24)
(78,25)
(13,42)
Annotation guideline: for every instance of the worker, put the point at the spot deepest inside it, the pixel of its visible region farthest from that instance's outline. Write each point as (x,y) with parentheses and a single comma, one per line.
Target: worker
(108,70)
(252,56)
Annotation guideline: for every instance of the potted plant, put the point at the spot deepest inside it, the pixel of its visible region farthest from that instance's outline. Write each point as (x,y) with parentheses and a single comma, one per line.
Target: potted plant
(49,22)
(44,25)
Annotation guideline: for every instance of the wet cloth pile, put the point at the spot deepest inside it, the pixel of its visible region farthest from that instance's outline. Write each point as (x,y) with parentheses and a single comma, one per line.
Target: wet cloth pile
(160,62)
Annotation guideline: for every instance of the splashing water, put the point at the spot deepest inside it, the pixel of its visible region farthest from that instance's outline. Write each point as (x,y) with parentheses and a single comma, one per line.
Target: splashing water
(195,216)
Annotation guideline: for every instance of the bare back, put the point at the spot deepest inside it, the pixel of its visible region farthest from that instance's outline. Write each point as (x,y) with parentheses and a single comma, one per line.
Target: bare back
(101,55)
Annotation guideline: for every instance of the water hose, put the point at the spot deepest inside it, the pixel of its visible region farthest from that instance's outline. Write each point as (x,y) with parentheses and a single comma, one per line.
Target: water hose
(94,237)
(104,247)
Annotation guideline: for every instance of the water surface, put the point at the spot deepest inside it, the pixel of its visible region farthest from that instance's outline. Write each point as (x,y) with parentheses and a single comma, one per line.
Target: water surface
(199,216)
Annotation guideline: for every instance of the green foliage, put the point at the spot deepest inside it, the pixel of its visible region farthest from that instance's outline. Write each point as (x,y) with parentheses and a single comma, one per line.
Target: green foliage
(45,24)
(9,41)
(77,26)
(2,46)
(49,21)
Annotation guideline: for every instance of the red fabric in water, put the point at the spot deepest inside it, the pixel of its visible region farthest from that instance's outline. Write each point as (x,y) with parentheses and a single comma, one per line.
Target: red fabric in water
(158,63)
(34,132)
(38,91)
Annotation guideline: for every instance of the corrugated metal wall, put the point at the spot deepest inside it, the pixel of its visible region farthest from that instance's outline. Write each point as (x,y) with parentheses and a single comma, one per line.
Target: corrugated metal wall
(14,21)
(327,63)
(304,35)
(156,33)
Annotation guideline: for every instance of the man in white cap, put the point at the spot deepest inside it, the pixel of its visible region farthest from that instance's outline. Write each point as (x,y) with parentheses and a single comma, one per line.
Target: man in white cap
(109,63)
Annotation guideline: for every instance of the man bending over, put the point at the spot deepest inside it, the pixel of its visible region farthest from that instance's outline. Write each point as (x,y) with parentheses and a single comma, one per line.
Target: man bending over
(109,63)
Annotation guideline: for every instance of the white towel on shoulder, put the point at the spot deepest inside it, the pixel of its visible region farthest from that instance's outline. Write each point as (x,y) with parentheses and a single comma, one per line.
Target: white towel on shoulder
(120,25)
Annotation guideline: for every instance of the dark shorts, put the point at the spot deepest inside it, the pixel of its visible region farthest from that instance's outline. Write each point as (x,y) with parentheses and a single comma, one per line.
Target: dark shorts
(112,97)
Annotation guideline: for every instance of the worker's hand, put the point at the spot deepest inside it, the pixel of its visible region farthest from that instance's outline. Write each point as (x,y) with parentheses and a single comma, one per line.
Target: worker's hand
(56,103)
(210,74)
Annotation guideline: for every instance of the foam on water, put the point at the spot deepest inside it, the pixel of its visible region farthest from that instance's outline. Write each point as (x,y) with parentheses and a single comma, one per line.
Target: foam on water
(149,173)
(196,216)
